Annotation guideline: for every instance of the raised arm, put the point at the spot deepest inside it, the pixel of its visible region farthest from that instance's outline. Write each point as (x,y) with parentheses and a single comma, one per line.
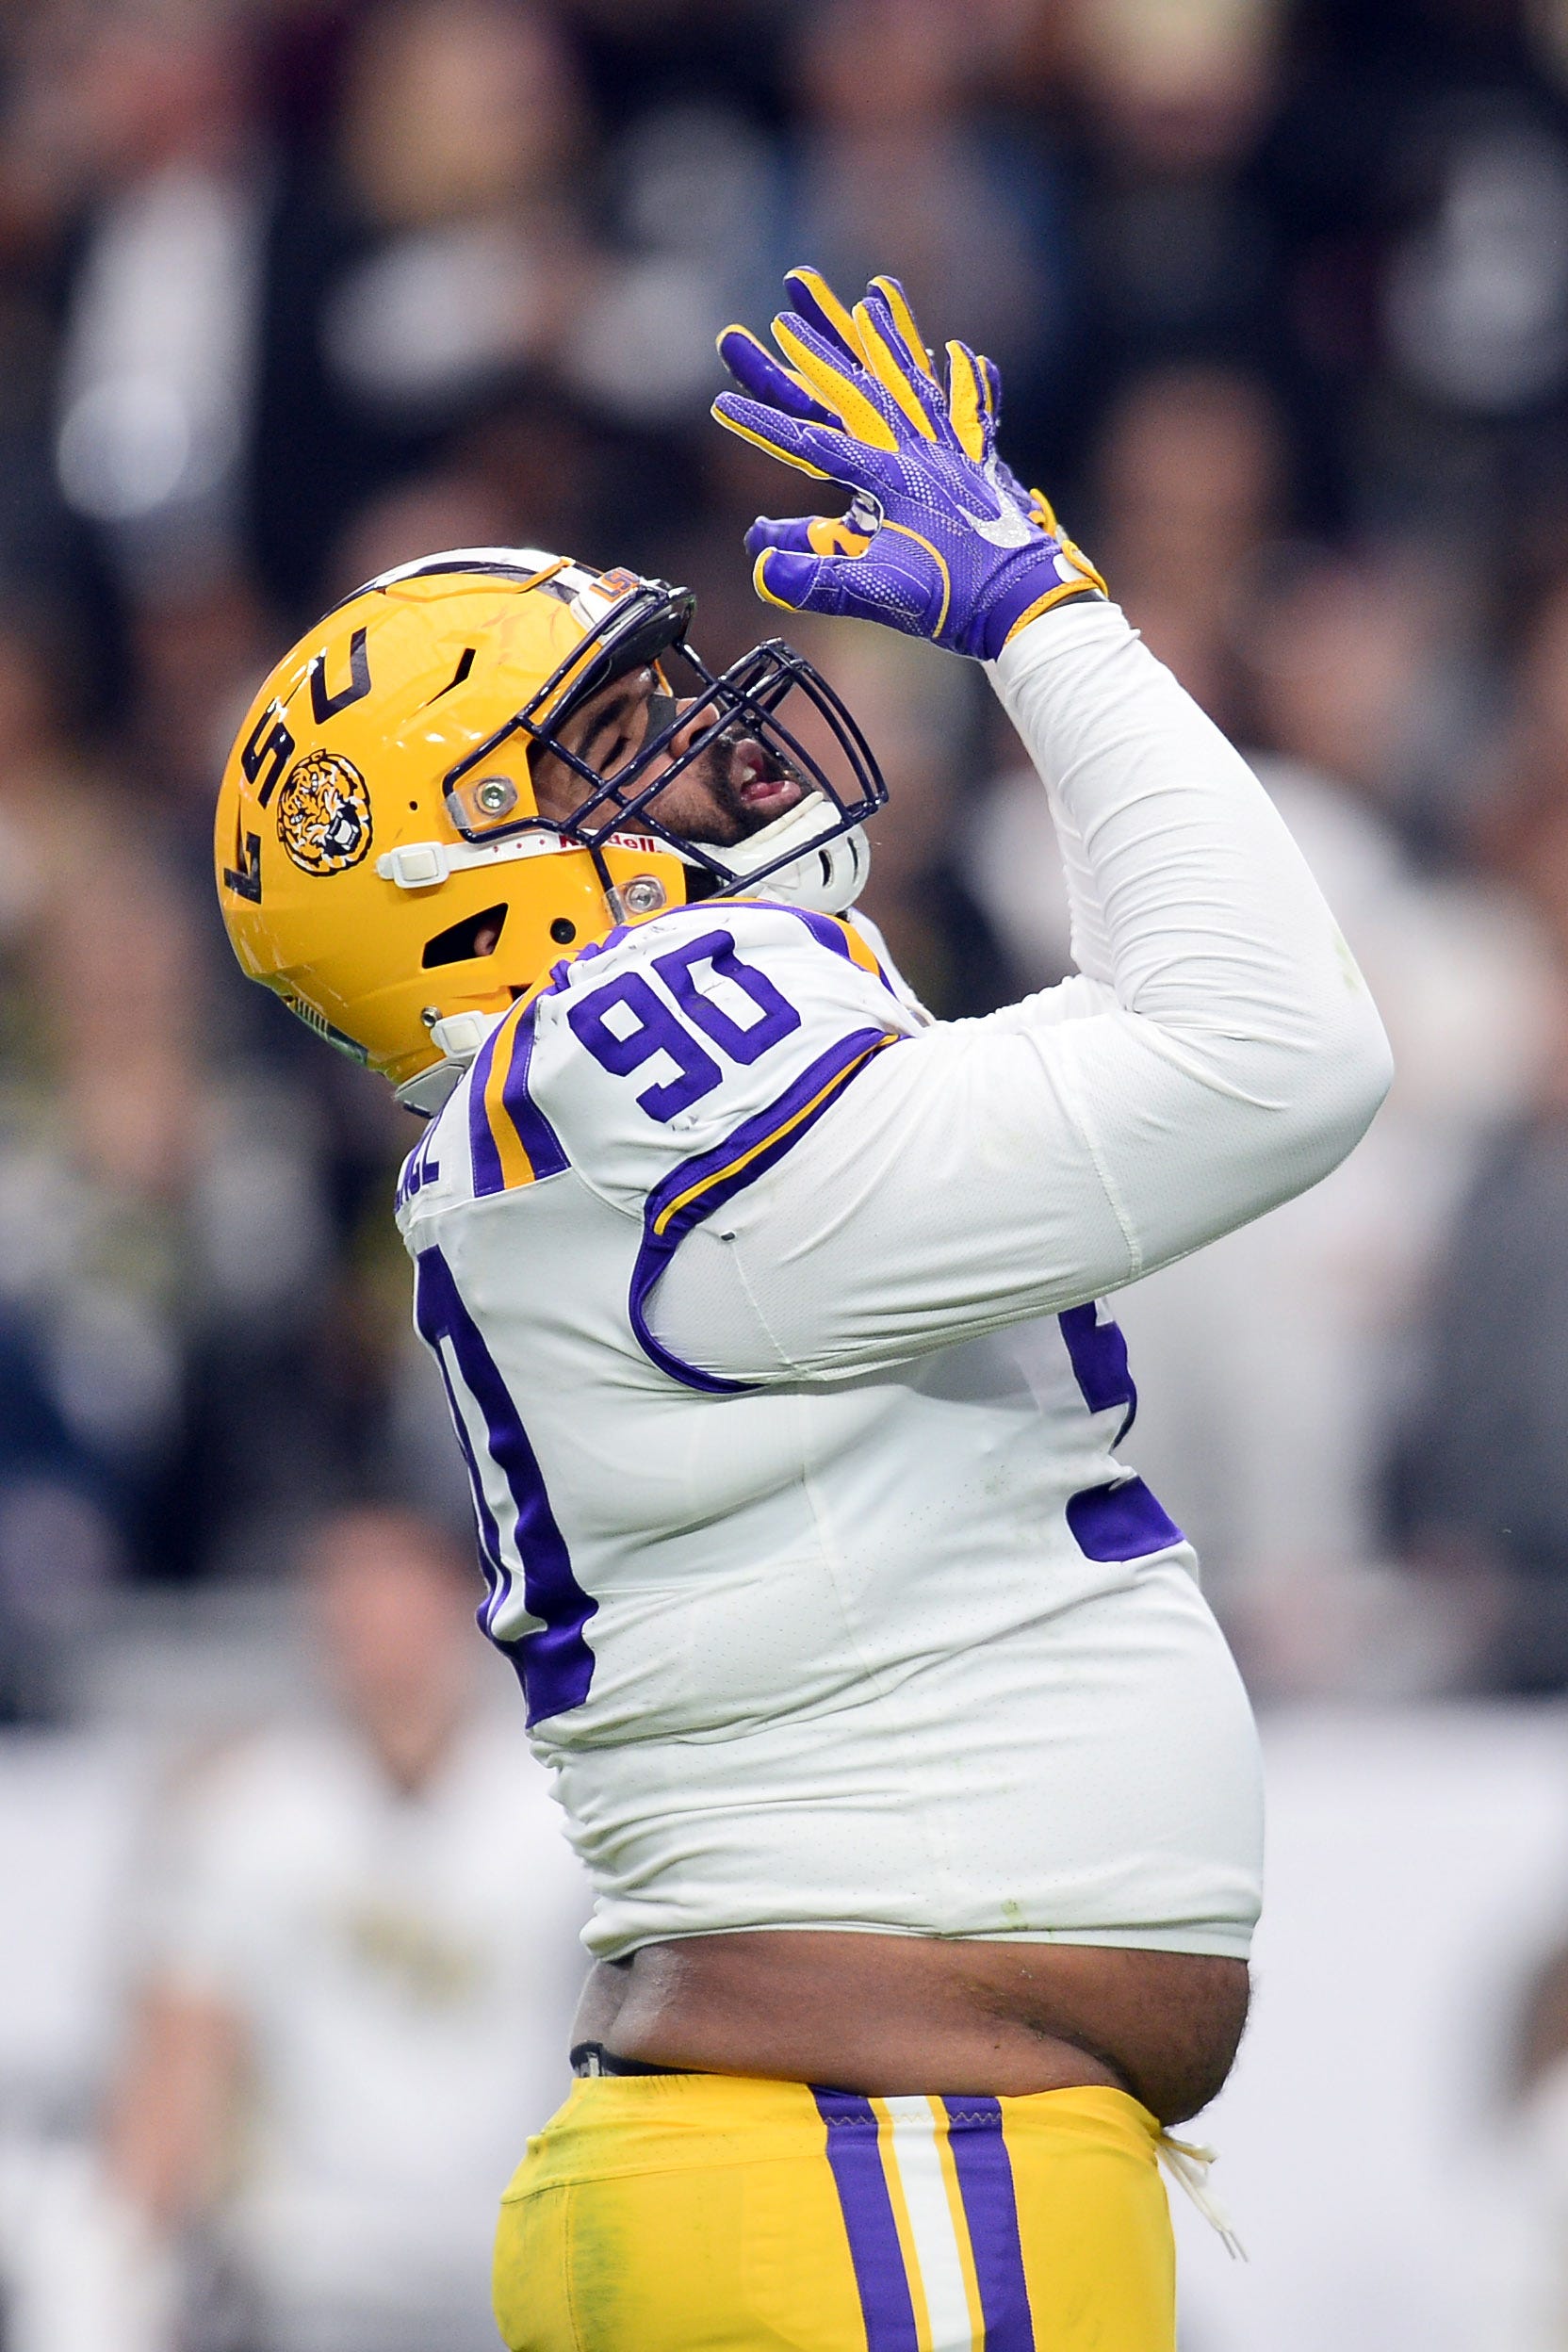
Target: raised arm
(1220,1056)
(991,1171)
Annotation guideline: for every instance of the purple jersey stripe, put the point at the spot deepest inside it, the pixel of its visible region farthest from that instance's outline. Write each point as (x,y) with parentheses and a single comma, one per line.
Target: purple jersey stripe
(856,2160)
(555,1662)
(498,1577)
(703,1184)
(829,931)
(823,927)
(1121,1521)
(1097,1352)
(486,1159)
(990,2209)
(534,1132)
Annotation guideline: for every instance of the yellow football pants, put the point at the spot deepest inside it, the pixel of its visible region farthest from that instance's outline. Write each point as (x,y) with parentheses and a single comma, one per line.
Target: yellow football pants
(711,2214)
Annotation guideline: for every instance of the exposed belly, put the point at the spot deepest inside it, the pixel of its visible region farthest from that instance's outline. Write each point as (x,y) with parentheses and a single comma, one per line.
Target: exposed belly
(886,2015)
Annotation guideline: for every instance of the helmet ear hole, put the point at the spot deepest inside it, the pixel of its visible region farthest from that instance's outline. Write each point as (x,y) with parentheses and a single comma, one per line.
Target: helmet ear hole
(461,943)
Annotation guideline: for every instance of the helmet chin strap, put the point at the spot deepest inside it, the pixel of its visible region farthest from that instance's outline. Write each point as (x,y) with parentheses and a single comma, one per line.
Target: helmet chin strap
(459,1036)
(827,877)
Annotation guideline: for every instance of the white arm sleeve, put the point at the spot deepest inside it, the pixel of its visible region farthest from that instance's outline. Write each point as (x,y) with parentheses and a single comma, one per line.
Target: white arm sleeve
(1220,1056)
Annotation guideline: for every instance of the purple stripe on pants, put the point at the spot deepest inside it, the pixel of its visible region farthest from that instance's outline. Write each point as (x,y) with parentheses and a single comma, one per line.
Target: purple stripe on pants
(985,2183)
(873,2248)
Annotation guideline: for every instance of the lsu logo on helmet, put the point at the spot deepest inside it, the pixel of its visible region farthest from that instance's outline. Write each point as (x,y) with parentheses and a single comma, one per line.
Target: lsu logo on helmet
(348,884)
(424,699)
(324,813)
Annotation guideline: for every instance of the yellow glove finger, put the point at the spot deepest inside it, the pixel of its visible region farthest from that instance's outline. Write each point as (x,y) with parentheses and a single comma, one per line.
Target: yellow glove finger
(904,319)
(817,304)
(855,411)
(890,371)
(968,401)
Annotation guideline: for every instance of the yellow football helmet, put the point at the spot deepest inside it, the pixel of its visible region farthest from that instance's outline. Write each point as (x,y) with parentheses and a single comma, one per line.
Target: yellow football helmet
(381,861)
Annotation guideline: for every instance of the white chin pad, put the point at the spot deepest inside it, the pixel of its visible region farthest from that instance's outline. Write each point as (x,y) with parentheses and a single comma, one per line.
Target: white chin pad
(827,877)
(460,1036)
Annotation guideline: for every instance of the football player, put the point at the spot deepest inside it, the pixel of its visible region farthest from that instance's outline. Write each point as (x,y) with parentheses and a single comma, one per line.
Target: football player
(919,1791)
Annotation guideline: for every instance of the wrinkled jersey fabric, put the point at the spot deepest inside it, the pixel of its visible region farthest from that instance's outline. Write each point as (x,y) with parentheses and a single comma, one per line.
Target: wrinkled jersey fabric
(771,1319)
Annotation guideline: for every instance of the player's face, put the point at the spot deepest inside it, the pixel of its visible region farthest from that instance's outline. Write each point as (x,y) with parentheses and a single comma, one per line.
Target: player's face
(731,790)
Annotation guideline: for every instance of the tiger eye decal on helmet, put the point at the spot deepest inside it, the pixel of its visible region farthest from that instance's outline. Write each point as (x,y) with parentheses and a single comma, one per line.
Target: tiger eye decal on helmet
(324,813)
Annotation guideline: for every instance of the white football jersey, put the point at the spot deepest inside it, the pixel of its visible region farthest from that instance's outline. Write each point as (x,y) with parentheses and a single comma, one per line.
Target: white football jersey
(768,1317)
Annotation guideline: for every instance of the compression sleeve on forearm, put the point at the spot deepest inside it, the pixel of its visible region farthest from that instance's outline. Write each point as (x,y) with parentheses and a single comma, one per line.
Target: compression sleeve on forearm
(1226,1057)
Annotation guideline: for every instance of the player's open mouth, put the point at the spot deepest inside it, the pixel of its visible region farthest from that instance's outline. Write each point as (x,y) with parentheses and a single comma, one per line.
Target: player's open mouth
(760,781)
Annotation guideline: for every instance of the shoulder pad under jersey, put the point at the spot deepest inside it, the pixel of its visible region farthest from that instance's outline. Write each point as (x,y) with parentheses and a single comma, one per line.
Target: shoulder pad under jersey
(688,1051)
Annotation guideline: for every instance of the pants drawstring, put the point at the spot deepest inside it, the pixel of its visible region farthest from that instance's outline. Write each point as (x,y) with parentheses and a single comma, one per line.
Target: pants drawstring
(1188,2163)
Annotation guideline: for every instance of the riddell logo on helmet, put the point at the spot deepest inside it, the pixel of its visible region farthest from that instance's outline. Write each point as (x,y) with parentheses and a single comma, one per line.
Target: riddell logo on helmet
(324,813)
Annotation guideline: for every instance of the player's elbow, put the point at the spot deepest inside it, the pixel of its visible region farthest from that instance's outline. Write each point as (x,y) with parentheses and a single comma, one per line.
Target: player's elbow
(1342,1077)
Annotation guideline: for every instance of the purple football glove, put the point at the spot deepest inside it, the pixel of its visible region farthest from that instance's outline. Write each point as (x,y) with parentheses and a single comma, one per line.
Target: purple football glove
(941,540)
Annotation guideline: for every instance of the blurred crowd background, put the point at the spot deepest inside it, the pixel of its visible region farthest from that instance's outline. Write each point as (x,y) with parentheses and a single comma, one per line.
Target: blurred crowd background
(291,290)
